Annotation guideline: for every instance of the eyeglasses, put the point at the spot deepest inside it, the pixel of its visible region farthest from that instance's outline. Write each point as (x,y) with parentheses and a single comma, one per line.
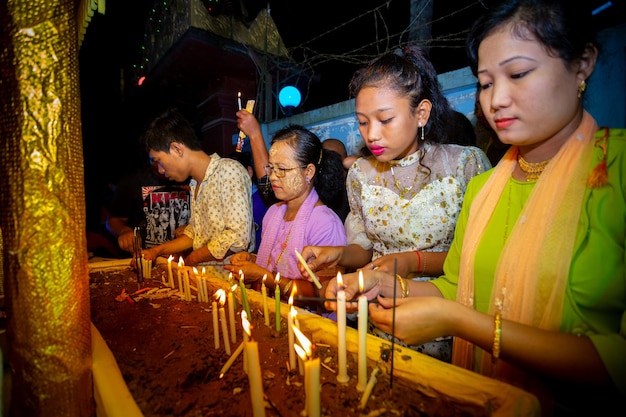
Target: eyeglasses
(279,172)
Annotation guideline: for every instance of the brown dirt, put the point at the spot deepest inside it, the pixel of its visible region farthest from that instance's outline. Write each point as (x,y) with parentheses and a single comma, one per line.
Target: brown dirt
(165,351)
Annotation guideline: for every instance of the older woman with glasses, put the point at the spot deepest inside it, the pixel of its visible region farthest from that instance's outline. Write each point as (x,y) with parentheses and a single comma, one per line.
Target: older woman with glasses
(304,177)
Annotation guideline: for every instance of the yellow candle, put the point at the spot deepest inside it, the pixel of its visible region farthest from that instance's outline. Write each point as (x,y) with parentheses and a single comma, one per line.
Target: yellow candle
(179,271)
(205,290)
(362,328)
(342,360)
(216,329)
(254,371)
(196,274)
(225,332)
(231,360)
(170,277)
(290,319)
(308,270)
(277,299)
(311,375)
(231,316)
(187,293)
(266,312)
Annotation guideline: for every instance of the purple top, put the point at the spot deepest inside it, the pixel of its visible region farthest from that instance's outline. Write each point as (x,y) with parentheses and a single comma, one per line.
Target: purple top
(313,226)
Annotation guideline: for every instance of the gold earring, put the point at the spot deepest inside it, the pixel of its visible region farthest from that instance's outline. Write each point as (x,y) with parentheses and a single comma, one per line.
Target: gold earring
(581,88)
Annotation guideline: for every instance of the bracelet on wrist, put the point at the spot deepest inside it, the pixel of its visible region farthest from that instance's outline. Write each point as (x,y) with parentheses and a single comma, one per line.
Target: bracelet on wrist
(497,334)
(403,286)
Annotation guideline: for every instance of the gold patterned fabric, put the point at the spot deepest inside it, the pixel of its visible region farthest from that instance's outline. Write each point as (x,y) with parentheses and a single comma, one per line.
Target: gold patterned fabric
(46,282)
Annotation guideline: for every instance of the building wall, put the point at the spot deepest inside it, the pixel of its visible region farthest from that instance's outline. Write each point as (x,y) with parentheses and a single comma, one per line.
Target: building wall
(605,97)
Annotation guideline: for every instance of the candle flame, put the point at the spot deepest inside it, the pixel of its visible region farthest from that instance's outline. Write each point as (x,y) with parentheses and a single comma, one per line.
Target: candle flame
(294,290)
(181,263)
(303,340)
(339,280)
(233,288)
(195,270)
(300,351)
(361,281)
(240,274)
(264,278)
(239,94)
(277,279)
(169,260)
(203,271)
(221,296)
(247,327)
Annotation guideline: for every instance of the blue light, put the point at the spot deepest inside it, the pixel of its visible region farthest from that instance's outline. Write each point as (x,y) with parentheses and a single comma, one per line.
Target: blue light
(289,96)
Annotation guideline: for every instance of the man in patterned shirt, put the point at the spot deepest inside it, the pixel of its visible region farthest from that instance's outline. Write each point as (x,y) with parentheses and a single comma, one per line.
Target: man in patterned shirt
(221,193)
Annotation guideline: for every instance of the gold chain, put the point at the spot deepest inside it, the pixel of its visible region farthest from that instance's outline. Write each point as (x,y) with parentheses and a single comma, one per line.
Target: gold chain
(532,170)
(283,247)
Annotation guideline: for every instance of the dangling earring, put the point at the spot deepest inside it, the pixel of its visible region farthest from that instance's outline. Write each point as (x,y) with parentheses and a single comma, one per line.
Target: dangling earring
(419,126)
(581,88)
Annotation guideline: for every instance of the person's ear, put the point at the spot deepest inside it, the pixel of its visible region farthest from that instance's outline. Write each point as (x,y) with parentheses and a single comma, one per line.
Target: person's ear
(176,149)
(422,111)
(587,63)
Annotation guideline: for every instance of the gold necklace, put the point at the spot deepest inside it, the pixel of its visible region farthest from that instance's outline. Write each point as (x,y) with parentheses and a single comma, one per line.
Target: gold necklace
(283,246)
(532,170)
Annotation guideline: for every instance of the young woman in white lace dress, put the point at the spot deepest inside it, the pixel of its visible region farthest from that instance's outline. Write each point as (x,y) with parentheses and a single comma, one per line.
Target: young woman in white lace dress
(406,196)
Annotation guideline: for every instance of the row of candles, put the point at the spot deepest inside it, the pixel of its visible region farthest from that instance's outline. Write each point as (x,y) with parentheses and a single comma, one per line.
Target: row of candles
(308,365)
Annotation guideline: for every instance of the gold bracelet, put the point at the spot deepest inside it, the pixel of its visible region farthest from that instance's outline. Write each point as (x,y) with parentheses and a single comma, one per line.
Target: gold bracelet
(403,286)
(497,333)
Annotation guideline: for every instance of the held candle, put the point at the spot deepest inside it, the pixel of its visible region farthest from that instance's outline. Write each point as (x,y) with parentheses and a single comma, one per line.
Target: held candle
(277,299)
(266,313)
(342,360)
(362,328)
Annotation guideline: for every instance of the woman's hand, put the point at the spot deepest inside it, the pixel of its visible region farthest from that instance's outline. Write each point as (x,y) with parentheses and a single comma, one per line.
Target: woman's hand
(251,271)
(372,287)
(418,319)
(320,257)
(386,263)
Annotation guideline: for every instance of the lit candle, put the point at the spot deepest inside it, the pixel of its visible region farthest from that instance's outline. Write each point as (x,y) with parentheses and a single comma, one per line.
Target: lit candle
(292,351)
(244,294)
(205,290)
(225,332)
(342,360)
(308,270)
(254,370)
(277,299)
(239,100)
(311,375)
(198,284)
(362,360)
(170,276)
(231,315)
(179,271)
(187,287)
(266,313)
(216,329)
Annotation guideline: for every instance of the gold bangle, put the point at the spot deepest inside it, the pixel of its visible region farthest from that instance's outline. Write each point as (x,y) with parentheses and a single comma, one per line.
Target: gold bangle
(497,333)
(403,286)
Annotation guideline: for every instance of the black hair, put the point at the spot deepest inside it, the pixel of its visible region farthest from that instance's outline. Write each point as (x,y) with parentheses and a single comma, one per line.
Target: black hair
(409,72)
(564,27)
(329,176)
(169,127)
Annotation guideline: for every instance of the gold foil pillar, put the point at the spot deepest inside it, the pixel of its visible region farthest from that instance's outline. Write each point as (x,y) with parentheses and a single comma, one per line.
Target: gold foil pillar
(46,282)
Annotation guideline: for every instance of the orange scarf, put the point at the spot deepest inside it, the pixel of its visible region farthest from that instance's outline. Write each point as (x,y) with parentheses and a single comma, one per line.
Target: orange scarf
(531,276)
